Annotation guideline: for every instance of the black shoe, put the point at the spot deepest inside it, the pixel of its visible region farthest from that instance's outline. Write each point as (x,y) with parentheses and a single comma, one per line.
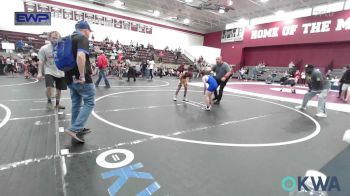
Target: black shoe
(85,131)
(107,86)
(76,136)
(217,102)
(215,99)
(60,107)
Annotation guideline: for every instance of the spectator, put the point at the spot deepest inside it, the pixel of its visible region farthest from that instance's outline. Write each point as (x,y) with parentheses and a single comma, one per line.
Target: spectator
(144,65)
(161,55)
(81,75)
(151,67)
(53,76)
(102,64)
(345,80)
(131,72)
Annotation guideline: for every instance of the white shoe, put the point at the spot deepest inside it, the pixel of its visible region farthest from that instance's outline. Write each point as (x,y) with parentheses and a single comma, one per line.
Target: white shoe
(321,115)
(206,108)
(175,99)
(299,107)
(185,99)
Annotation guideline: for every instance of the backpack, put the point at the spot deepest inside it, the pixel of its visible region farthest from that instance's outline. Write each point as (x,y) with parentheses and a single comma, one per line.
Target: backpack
(63,54)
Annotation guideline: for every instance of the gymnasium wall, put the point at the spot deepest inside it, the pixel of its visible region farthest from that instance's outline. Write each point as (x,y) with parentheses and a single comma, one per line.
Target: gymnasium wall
(320,47)
(163,33)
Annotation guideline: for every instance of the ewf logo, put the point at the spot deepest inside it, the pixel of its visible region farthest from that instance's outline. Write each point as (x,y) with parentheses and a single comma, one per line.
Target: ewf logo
(32,18)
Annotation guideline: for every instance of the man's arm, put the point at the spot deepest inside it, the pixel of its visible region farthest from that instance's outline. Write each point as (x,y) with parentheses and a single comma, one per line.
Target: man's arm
(81,60)
(83,48)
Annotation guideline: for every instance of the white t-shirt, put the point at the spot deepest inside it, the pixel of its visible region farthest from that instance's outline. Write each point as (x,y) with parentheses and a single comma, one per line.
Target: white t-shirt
(46,57)
(151,64)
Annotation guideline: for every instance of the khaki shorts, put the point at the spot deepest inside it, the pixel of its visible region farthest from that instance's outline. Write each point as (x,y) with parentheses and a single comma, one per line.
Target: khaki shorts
(345,87)
(183,82)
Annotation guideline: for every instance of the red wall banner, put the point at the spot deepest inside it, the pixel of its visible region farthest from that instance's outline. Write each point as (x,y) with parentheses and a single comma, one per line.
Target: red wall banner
(302,33)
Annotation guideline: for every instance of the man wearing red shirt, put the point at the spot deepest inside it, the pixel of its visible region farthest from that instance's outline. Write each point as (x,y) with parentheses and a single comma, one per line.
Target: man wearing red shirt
(102,64)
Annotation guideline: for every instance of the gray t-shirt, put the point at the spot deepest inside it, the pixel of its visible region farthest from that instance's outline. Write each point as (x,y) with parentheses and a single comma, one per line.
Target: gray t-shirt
(46,57)
(221,70)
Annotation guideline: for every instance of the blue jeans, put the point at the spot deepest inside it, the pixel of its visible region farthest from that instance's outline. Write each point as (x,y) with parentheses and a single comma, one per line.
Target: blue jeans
(102,74)
(81,113)
(321,107)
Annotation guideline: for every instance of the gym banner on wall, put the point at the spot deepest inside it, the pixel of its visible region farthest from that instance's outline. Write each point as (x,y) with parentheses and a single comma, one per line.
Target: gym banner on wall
(69,14)
(232,35)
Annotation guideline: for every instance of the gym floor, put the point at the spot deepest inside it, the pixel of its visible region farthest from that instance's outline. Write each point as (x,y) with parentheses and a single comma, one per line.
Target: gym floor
(244,146)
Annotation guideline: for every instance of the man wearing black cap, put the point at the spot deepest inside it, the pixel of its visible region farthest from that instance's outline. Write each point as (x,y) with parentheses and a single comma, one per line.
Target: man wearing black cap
(82,88)
(318,85)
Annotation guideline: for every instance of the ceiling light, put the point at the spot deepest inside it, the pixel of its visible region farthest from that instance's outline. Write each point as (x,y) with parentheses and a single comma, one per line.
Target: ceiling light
(118,3)
(230,3)
(280,12)
(288,20)
(242,20)
(251,27)
(156,13)
(221,10)
(186,21)
(264,1)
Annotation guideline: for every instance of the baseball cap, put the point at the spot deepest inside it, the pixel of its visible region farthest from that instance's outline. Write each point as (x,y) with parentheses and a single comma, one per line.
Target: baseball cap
(82,25)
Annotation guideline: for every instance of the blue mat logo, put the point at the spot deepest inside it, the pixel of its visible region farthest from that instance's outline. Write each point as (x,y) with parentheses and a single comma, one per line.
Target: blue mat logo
(308,183)
(123,171)
(32,18)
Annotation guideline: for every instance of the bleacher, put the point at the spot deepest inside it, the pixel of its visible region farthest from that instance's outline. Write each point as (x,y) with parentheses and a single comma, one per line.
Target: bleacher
(37,41)
(264,73)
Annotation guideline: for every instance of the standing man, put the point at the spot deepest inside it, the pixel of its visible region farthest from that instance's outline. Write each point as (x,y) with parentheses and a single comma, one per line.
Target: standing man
(222,71)
(318,85)
(151,67)
(345,84)
(102,64)
(53,76)
(82,88)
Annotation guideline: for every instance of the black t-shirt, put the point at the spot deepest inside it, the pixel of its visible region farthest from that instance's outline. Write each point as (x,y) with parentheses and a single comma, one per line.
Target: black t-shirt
(80,43)
(346,77)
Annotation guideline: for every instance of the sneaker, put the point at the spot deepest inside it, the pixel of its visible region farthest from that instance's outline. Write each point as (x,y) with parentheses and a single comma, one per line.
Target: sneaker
(185,99)
(217,102)
(77,136)
(49,106)
(175,99)
(321,115)
(294,92)
(85,131)
(60,107)
(206,108)
(299,107)
(107,86)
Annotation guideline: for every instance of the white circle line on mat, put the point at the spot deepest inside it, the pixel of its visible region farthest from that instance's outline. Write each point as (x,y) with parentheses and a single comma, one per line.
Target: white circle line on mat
(308,137)
(21,84)
(7,116)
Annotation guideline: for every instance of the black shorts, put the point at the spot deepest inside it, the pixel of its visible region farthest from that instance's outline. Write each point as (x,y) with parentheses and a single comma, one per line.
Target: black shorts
(60,83)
